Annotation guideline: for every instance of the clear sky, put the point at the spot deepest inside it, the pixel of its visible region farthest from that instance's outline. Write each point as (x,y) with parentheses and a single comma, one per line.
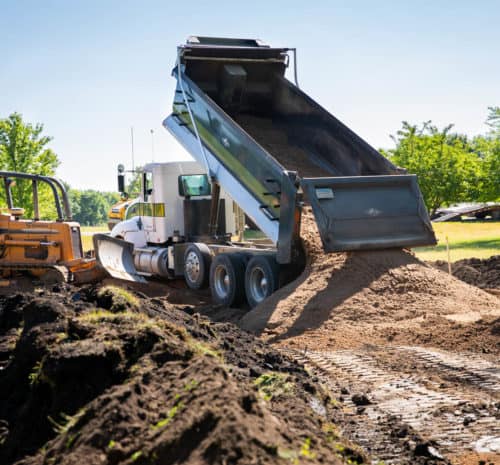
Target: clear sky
(90,69)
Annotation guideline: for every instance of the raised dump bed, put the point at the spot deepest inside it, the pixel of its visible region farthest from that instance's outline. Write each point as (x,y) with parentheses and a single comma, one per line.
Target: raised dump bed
(267,143)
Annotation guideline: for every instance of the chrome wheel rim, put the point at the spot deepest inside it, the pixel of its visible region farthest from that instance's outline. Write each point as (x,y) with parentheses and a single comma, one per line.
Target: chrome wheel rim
(259,285)
(192,267)
(222,282)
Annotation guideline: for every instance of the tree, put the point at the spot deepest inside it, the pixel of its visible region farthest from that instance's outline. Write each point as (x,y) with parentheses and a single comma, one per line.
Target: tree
(23,148)
(134,185)
(446,165)
(90,207)
(488,149)
(493,120)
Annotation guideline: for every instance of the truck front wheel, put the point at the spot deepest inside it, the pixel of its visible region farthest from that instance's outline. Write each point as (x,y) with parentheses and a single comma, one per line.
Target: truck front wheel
(261,279)
(227,279)
(196,265)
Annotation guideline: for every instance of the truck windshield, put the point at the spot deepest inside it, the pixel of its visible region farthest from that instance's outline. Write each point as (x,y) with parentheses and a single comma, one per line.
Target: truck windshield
(193,185)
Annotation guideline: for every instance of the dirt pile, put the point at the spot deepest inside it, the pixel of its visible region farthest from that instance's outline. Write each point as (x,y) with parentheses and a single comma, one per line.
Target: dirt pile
(275,140)
(481,273)
(350,299)
(103,376)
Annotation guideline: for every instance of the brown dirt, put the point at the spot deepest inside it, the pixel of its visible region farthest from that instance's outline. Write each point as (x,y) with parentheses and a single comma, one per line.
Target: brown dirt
(481,273)
(345,300)
(88,377)
(275,141)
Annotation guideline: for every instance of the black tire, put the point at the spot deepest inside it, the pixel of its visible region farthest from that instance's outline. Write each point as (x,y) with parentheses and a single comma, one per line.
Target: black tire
(196,267)
(261,278)
(227,279)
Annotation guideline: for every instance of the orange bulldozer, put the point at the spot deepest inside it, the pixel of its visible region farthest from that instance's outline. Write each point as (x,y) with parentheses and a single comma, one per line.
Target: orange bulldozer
(43,250)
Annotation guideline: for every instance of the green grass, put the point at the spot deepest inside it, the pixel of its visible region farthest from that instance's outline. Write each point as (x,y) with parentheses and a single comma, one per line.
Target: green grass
(480,239)
(87,232)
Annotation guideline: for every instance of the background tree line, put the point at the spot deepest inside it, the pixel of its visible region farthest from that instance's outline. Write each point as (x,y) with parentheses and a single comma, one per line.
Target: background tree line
(451,167)
(23,148)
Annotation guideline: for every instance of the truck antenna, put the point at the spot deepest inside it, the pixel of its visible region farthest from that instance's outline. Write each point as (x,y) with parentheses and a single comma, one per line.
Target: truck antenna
(152,146)
(132,146)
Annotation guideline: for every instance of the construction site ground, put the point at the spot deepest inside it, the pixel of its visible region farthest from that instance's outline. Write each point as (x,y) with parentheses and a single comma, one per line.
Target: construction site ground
(367,357)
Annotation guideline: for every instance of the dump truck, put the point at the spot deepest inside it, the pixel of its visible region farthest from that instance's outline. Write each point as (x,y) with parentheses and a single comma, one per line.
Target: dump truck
(273,149)
(48,250)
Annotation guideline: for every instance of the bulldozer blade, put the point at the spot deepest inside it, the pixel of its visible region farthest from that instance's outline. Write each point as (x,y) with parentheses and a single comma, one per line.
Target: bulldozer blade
(116,256)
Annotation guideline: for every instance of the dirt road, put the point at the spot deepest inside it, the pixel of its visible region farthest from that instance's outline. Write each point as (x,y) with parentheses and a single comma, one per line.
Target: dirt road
(403,401)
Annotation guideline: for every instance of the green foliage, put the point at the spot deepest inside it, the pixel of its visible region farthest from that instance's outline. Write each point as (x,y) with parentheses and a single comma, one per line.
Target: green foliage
(135,455)
(133,186)
(35,374)
(67,421)
(305,449)
(23,148)
(271,385)
(100,316)
(493,120)
(170,416)
(91,207)
(450,167)
(119,298)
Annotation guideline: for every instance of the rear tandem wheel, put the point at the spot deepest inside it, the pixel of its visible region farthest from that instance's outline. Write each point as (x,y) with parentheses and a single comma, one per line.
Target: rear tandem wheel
(261,278)
(227,279)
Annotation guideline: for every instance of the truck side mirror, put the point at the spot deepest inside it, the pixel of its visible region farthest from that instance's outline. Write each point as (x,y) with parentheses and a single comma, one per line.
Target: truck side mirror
(121,183)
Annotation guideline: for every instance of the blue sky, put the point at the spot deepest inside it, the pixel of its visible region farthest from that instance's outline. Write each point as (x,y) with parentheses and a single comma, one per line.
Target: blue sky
(89,70)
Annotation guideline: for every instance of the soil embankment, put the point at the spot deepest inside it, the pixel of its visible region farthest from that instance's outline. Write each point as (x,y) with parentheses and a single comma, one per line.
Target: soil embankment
(103,376)
(483,273)
(346,300)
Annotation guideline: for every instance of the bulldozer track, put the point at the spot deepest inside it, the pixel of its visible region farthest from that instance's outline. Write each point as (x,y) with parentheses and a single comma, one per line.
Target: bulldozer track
(467,369)
(449,418)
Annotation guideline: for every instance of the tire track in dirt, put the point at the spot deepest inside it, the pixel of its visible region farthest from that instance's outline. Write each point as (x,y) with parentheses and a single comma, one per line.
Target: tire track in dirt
(413,411)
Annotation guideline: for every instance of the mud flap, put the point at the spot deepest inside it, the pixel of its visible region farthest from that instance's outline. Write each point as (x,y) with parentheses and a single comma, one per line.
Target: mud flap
(116,256)
(369,212)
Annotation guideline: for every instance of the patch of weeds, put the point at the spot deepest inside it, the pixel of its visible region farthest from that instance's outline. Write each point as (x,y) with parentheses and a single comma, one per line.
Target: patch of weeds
(272,385)
(71,440)
(35,375)
(67,421)
(305,449)
(294,457)
(111,444)
(170,415)
(116,299)
(99,316)
(191,386)
(61,337)
(204,349)
(135,455)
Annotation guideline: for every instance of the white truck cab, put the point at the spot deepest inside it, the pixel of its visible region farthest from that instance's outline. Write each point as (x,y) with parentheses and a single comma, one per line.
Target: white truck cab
(174,203)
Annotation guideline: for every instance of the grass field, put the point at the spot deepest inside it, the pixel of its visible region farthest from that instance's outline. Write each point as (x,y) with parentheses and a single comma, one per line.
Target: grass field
(87,232)
(467,239)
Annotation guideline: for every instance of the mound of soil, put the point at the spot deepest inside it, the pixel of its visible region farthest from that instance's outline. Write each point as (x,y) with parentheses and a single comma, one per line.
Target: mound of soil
(481,273)
(105,377)
(349,299)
